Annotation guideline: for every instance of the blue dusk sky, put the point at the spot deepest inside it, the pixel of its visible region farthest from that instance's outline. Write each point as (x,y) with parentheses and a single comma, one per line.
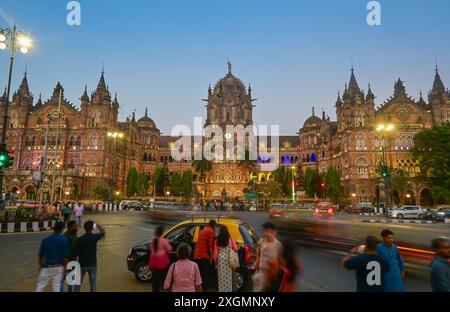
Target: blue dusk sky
(162,54)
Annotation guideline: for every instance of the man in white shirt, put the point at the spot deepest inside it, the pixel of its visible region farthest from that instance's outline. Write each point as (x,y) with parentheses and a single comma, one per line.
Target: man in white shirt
(78,209)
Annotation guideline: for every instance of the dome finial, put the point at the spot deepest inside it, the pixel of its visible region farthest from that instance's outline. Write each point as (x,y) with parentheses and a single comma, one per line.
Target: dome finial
(229,66)
(146,115)
(313,111)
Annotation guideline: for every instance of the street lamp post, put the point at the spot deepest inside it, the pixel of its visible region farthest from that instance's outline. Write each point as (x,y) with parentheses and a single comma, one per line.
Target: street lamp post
(385,171)
(293,184)
(15,39)
(114,136)
(43,165)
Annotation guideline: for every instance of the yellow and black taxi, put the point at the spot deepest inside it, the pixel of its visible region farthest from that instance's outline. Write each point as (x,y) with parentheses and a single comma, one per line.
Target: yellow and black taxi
(187,231)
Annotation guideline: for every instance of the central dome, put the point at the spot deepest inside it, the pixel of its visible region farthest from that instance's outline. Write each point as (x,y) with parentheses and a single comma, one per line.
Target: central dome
(230,83)
(146,121)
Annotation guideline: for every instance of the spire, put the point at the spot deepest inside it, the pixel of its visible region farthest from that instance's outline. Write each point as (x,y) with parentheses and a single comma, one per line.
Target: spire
(438,85)
(209,89)
(370,95)
(39,102)
(146,112)
(102,84)
(24,89)
(249,89)
(353,84)
(85,96)
(229,66)
(323,114)
(421,100)
(313,112)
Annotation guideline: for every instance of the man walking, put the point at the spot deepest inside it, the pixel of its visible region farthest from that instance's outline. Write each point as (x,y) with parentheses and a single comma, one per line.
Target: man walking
(204,251)
(369,266)
(393,279)
(86,250)
(269,249)
(66,212)
(79,211)
(440,267)
(53,257)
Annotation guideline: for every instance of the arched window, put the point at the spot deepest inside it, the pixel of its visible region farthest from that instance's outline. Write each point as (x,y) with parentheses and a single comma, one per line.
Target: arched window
(78,141)
(313,157)
(71,141)
(145,157)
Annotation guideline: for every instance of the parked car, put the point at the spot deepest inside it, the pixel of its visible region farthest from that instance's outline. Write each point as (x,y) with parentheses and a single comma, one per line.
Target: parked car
(187,232)
(408,212)
(441,214)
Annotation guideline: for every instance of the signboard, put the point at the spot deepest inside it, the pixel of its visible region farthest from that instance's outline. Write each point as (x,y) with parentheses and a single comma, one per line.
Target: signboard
(251,196)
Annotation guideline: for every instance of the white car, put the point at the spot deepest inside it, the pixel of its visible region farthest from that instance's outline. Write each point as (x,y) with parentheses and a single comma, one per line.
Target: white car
(408,212)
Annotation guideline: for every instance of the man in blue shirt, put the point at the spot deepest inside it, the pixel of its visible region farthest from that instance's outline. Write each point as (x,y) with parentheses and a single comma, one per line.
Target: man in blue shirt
(86,250)
(393,280)
(53,257)
(369,267)
(440,267)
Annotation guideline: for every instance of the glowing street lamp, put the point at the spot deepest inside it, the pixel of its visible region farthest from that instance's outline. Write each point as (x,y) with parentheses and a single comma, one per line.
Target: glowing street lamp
(114,136)
(385,128)
(14,39)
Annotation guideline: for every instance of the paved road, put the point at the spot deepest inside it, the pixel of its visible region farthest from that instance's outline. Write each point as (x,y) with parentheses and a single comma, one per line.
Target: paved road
(18,258)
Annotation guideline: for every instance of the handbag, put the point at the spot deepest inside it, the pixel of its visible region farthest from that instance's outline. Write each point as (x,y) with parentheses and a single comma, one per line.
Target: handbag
(171,278)
(233,259)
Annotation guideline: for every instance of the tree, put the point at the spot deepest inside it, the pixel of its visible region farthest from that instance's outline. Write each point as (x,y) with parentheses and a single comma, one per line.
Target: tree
(399,181)
(176,184)
(432,150)
(100,192)
(312,182)
(142,184)
(187,184)
(160,180)
(272,189)
(334,189)
(132,177)
(202,167)
(300,178)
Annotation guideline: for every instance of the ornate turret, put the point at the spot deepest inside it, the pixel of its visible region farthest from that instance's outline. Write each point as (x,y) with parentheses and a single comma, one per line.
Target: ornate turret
(438,93)
(23,95)
(353,93)
(399,88)
(39,102)
(421,101)
(101,94)
(85,97)
(370,96)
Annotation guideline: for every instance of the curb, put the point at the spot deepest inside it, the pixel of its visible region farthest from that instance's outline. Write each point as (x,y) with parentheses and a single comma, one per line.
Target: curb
(25,227)
(399,221)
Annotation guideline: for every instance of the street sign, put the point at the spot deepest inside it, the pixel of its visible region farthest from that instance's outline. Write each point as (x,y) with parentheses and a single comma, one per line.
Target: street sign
(250,196)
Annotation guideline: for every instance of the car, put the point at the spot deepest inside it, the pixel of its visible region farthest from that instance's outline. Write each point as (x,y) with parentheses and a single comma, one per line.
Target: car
(187,231)
(408,211)
(131,204)
(324,211)
(441,214)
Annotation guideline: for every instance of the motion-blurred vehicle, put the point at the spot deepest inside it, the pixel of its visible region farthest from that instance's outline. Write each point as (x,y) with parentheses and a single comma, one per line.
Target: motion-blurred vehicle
(408,212)
(187,231)
(29,204)
(132,204)
(431,214)
(324,211)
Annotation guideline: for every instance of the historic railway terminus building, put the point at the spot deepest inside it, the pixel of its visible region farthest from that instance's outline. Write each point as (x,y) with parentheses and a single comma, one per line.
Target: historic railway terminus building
(81,155)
